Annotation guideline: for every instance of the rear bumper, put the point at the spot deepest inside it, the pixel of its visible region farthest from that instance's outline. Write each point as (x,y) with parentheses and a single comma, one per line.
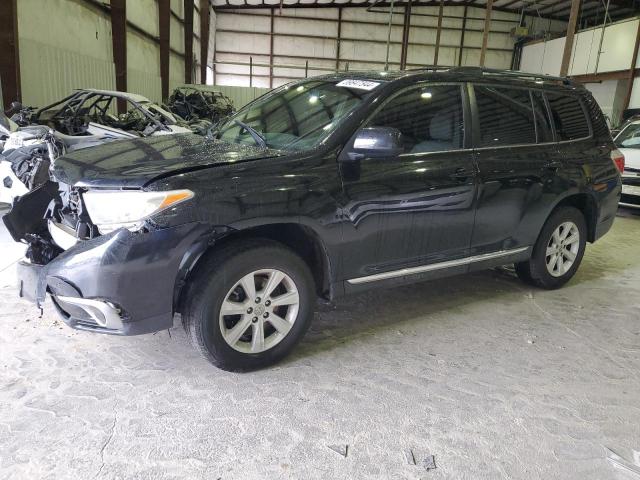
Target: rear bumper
(123,283)
(607,200)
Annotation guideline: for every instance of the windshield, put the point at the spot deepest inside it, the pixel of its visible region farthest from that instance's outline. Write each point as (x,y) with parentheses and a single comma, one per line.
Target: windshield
(629,137)
(294,117)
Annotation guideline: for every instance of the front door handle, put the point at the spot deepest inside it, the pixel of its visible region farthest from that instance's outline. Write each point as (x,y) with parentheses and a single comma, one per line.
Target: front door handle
(461,174)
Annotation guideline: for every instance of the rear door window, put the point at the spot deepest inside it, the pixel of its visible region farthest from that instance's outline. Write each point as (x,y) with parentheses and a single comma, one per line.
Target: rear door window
(568,117)
(505,116)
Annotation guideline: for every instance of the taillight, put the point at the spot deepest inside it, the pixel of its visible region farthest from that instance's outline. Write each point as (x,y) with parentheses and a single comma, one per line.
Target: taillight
(618,159)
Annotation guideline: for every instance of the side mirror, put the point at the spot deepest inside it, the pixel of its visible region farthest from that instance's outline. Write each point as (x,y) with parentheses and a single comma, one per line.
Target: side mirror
(375,142)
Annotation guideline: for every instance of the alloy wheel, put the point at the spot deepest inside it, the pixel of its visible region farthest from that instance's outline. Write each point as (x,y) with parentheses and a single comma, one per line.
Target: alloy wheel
(259,311)
(562,249)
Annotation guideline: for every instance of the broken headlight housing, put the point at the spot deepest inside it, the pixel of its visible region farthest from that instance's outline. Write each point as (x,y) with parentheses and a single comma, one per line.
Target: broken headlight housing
(110,210)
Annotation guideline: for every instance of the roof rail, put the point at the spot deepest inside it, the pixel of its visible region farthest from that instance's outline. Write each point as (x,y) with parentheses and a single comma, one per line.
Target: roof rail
(428,67)
(513,73)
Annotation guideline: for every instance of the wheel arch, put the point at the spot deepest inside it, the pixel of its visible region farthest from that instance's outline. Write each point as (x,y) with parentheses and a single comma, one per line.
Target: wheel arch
(300,239)
(586,203)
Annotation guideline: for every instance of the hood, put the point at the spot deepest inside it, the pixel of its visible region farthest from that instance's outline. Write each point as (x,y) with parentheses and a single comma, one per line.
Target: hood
(135,163)
(631,157)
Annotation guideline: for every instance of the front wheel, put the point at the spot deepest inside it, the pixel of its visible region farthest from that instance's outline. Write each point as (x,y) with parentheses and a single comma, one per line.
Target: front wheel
(558,251)
(249,304)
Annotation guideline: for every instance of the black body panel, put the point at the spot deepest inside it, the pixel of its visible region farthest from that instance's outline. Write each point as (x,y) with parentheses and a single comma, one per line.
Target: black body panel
(367,216)
(136,163)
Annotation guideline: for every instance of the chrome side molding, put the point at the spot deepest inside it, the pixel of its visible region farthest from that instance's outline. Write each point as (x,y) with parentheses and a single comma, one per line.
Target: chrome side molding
(435,266)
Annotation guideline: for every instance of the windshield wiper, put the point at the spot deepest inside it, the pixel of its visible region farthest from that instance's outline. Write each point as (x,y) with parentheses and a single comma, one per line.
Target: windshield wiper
(259,139)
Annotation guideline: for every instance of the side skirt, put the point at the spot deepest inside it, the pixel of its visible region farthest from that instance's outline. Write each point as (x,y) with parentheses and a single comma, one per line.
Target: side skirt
(437,270)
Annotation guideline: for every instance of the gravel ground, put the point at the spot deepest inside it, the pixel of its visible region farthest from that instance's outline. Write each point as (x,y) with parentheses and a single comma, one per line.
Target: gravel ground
(494,379)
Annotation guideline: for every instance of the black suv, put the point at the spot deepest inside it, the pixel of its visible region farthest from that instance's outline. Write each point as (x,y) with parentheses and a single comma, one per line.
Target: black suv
(320,188)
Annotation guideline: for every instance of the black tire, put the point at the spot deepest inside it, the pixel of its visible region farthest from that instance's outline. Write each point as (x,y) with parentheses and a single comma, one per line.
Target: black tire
(213,279)
(535,271)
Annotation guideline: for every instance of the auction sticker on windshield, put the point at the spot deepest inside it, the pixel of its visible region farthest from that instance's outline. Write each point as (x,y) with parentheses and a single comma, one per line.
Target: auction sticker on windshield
(361,84)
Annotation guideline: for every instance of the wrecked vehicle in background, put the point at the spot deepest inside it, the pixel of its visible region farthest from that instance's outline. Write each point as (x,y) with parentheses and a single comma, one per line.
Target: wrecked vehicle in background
(84,119)
(199,102)
(92,112)
(7,127)
(20,114)
(24,158)
(27,154)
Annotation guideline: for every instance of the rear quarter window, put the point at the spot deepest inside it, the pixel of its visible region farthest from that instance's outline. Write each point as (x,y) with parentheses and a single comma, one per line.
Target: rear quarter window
(568,117)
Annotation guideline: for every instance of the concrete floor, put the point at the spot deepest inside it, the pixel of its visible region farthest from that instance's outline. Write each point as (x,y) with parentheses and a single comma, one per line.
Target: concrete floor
(494,379)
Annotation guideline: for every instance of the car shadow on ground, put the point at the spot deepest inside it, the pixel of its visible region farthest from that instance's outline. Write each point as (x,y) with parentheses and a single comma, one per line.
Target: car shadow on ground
(414,306)
(376,311)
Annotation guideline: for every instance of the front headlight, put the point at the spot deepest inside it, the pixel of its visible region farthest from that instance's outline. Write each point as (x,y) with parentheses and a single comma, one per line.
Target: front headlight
(110,210)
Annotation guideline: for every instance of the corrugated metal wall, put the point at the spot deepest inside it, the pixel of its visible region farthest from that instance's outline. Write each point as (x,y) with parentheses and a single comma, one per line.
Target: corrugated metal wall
(616,55)
(66,44)
(312,34)
(241,95)
(50,73)
(144,83)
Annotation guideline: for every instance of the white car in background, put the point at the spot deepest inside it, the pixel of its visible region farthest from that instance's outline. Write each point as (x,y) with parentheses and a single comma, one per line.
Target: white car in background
(628,142)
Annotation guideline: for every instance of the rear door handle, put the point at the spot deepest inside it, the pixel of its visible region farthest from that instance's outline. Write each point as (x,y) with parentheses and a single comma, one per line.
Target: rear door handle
(461,174)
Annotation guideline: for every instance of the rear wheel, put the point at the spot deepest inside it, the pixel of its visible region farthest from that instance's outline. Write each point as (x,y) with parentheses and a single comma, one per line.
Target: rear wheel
(558,251)
(249,304)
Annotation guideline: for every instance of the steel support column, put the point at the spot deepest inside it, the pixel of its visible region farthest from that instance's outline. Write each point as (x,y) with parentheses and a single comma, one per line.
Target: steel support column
(632,68)
(386,61)
(271,49)
(188,41)
(164,25)
(119,41)
(438,32)
(571,31)
(485,34)
(9,56)
(406,28)
(338,38)
(205,19)
(464,29)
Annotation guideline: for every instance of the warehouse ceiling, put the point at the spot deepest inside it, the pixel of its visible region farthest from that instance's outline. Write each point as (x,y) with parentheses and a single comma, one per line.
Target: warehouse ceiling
(591,11)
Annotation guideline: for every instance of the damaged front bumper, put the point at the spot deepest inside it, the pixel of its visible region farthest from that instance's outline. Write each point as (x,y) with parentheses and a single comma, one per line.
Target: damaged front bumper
(123,283)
